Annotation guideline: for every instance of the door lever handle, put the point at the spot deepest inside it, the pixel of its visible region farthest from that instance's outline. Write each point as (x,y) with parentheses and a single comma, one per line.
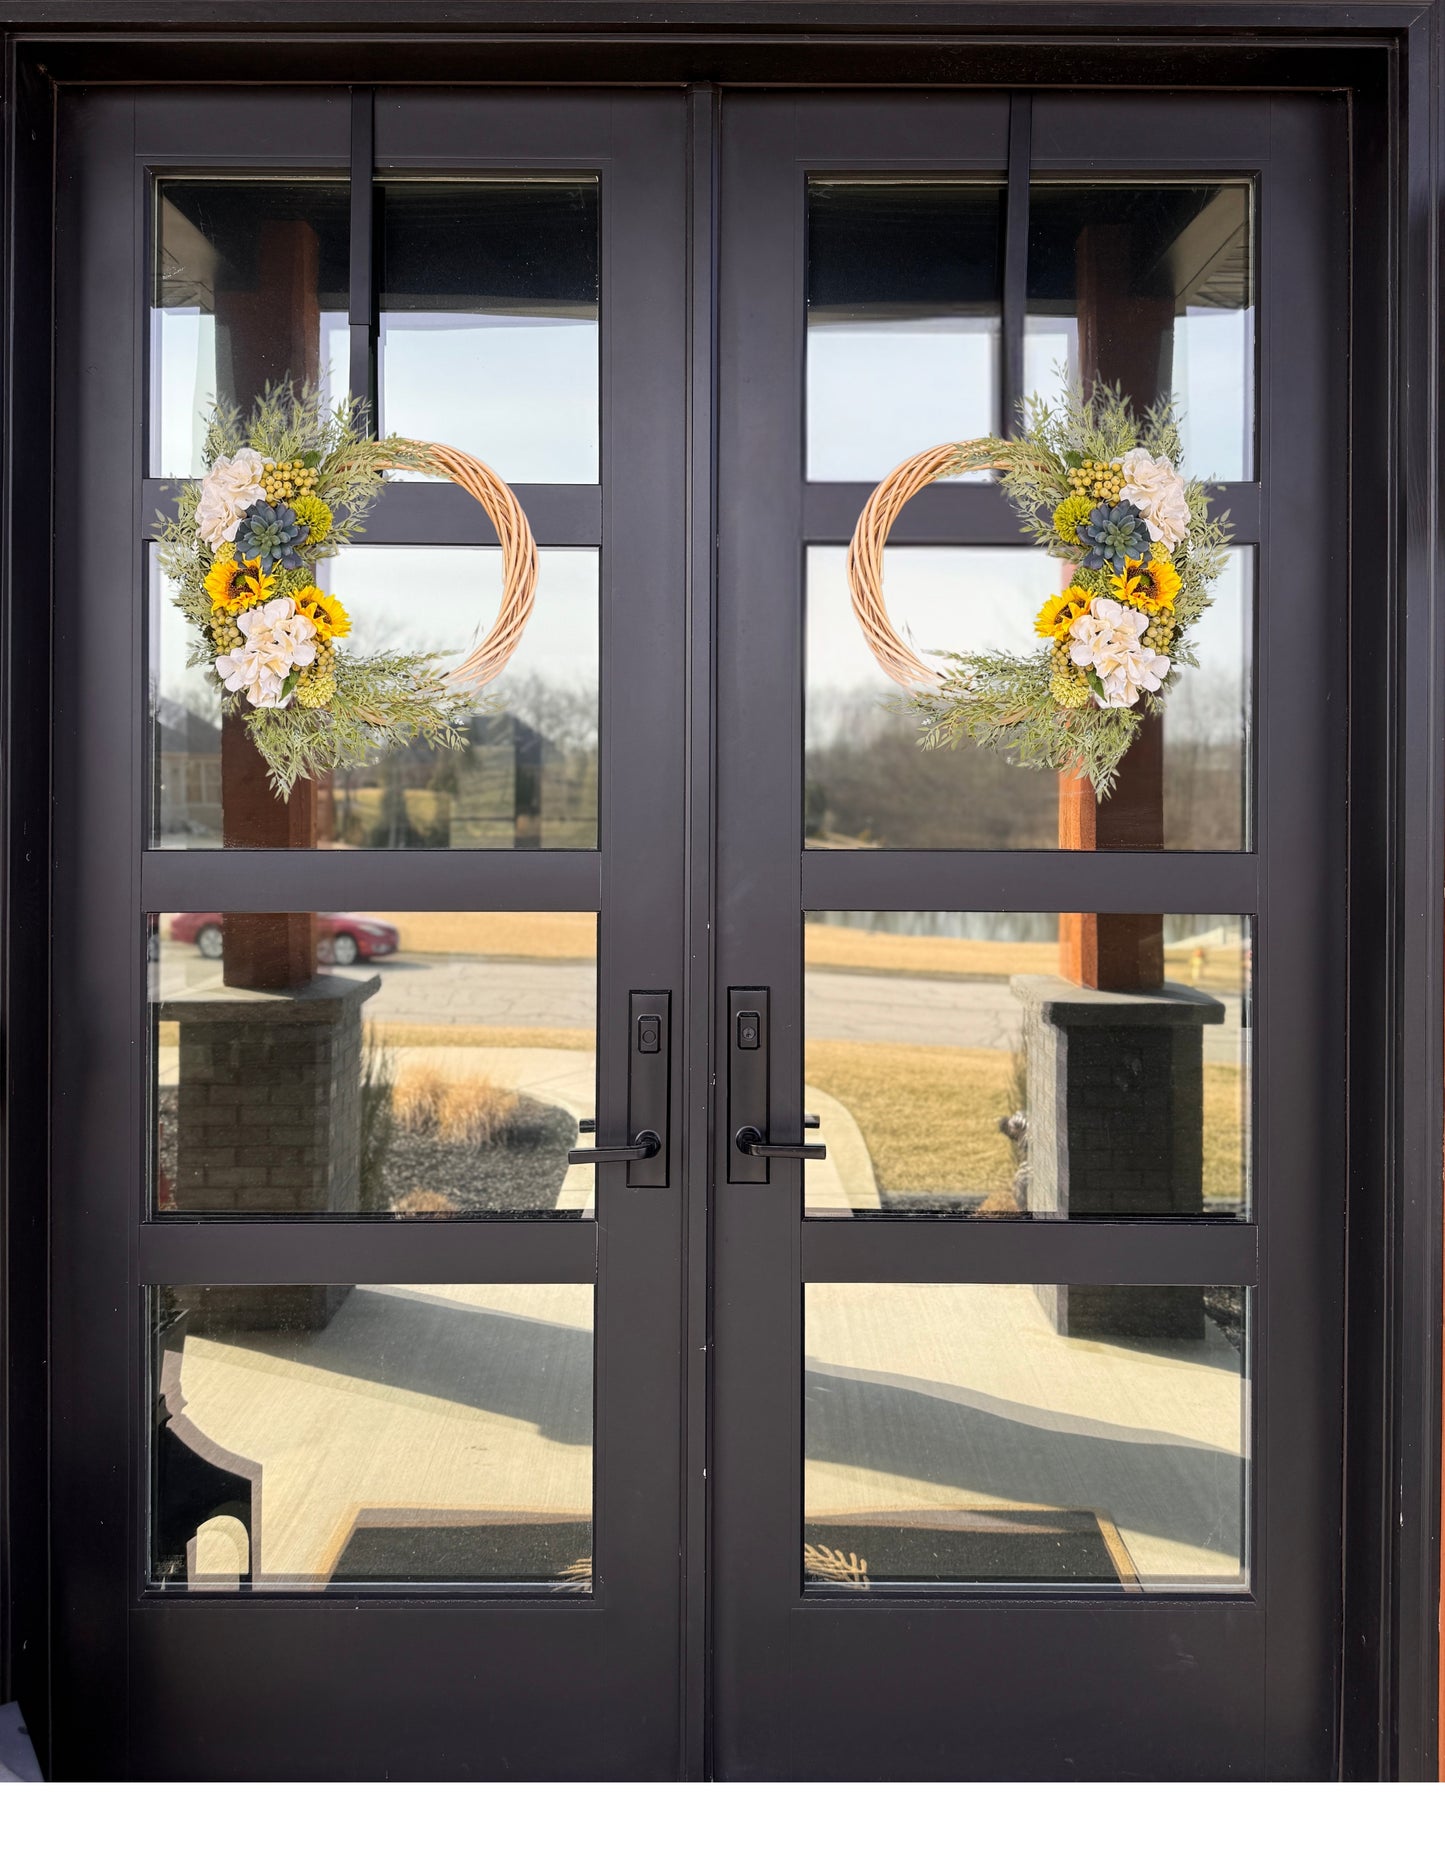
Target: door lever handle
(750,1142)
(645,1144)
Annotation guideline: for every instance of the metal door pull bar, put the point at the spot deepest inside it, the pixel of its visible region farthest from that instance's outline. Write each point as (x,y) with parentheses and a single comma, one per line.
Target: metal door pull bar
(646,1144)
(750,1141)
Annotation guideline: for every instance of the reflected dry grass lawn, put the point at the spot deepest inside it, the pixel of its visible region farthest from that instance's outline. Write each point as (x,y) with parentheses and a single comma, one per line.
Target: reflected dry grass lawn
(404,1033)
(866,951)
(562,935)
(929,1115)
(458,1110)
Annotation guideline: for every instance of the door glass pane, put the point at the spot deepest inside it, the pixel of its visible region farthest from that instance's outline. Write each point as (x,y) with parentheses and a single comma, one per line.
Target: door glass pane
(869,783)
(489,310)
(372,1063)
(249,286)
(1150,285)
(315,1436)
(904,294)
(526,779)
(959,1067)
(1036,1436)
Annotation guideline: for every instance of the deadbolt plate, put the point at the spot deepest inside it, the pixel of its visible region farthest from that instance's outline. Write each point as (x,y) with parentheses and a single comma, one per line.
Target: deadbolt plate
(649,1056)
(747,1042)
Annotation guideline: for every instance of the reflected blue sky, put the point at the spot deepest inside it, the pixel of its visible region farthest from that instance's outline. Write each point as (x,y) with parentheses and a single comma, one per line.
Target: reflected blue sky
(520,392)
(879,390)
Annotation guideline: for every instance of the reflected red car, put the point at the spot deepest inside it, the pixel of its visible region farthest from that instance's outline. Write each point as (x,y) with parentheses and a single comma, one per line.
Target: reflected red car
(339,939)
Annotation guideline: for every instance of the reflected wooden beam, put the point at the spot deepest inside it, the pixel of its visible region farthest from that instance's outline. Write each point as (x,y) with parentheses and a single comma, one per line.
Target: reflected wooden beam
(1127,338)
(267,330)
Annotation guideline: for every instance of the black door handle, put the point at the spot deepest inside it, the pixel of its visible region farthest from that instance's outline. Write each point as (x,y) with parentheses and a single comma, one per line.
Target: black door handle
(644,1145)
(751,1142)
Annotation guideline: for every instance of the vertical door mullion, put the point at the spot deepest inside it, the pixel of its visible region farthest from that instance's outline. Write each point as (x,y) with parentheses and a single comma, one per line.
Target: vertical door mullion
(1015,261)
(361,296)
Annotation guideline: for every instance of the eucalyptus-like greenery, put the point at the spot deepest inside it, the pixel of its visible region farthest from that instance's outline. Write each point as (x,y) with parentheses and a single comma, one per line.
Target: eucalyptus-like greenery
(1006,701)
(381,701)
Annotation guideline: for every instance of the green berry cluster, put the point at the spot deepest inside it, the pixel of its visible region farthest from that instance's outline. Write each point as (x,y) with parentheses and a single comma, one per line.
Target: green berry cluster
(1160,633)
(317,684)
(225,633)
(287,481)
(1096,481)
(1068,684)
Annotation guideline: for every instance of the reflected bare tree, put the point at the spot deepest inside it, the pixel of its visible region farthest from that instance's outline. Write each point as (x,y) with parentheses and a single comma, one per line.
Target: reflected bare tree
(870,784)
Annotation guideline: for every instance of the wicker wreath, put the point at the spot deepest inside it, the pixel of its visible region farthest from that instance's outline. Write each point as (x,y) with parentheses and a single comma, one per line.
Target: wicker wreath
(519,562)
(865,552)
(1101,492)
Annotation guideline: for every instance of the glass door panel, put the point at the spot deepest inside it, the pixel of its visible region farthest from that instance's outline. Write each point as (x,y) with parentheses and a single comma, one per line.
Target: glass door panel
(363,1305)
(1019,1370)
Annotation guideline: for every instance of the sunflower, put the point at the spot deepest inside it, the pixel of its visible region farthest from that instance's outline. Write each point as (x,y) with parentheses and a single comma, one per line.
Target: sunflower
(1058,614)
(236,584)
(1150,585)
(326,612)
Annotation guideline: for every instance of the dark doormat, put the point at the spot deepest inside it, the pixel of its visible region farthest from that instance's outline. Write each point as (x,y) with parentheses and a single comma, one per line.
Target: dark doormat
(427,1545)
(966,1545)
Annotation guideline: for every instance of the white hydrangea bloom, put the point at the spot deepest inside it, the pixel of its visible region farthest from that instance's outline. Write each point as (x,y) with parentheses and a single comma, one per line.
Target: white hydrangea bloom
(233,484)
(278,639)
(1152,484)
(1108,639)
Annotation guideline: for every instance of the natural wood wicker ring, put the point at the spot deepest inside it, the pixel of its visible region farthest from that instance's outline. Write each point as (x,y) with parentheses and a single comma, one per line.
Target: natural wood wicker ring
(865,553)
(519,560)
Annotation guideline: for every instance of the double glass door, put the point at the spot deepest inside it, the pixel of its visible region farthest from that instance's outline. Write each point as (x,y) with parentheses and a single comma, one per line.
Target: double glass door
(400,1431)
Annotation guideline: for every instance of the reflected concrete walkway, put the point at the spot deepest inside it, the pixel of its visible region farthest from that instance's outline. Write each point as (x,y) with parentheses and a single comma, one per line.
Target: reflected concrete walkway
(844,1183)
(455,1399)
(946,1396)
(450,1398)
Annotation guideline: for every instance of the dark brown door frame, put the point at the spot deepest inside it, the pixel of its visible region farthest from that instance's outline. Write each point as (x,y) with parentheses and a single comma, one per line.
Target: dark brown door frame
(1387,61)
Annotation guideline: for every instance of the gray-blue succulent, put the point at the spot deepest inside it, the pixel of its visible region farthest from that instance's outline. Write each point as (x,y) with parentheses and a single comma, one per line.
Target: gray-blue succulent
(273,534)
(1112,534)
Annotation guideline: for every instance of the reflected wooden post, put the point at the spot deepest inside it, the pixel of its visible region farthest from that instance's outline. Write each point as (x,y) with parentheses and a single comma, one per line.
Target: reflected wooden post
(1120,953)
(1124,338)
(268,328)
(1116,1121)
